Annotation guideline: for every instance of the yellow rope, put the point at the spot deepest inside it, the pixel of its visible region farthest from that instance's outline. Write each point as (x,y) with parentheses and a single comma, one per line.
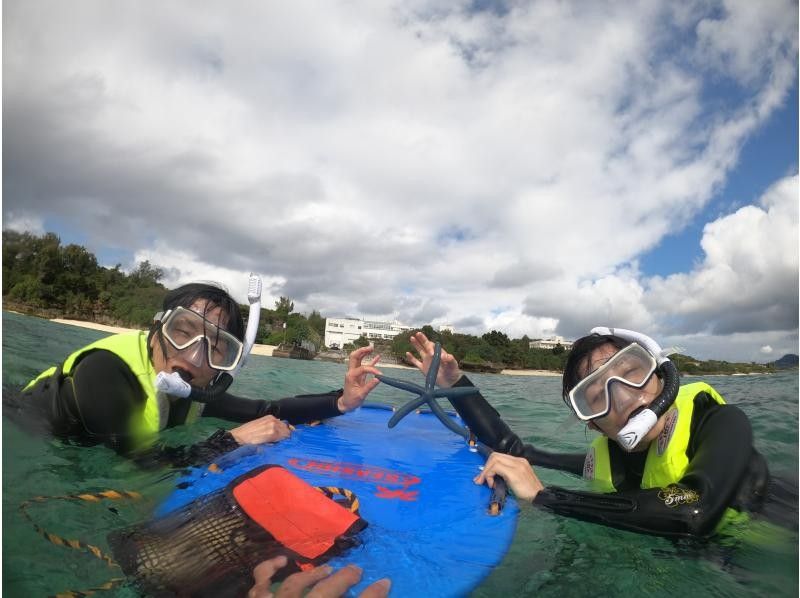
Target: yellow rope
(109,585)
(331,491)
(77,544)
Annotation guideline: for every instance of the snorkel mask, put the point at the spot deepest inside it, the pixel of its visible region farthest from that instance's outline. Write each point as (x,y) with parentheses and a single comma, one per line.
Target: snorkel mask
(199,339)
(629,368)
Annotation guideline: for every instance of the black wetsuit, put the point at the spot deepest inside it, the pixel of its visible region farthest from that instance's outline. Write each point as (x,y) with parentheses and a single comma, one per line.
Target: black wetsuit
(95,406)
(724,470)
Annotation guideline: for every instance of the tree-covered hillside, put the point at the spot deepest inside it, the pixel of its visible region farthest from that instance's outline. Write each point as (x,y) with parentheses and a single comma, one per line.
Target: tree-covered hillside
(42,277)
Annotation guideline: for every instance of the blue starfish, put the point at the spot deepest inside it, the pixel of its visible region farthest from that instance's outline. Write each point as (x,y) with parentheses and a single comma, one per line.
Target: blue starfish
(428,395)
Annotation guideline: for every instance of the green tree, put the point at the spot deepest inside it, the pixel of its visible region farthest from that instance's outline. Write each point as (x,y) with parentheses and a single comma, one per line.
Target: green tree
(401,344)
(317,322)
(146,274)
(361,341)
(497,339)
(299,330)
(283,307)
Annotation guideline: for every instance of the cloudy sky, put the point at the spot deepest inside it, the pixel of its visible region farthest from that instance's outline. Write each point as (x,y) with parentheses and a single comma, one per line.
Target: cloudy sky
(535,167)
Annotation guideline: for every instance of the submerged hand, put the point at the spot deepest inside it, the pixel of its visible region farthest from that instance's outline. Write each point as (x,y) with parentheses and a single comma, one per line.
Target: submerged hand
(356,384)
(449,373)
(517,473)
(264,429)
(320,581)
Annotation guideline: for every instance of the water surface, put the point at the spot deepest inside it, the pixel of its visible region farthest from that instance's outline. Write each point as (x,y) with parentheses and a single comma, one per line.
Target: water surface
(551,555)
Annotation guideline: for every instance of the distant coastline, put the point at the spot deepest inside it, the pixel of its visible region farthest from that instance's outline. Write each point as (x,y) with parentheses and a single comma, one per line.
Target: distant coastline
(266,350)
(122,301)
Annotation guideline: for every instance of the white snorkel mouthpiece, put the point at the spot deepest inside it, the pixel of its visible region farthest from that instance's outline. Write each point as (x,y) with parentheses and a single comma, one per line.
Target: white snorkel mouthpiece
(640,424)
(173,384)
(636,429)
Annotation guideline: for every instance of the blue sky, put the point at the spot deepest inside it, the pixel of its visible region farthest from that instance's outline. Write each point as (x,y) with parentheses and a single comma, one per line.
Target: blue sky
(538,167)
(768,155)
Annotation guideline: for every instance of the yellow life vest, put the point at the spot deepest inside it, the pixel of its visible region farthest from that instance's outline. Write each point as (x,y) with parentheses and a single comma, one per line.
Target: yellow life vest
(666,457)
(666,461)
(132,349)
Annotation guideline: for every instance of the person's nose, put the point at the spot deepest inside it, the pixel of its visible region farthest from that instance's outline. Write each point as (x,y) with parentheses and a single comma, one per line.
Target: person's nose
(195,354)
(622,396)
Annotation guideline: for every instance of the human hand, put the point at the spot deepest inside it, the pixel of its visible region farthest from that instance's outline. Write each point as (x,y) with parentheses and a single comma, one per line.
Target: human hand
(264,429)
(324,584)
(517,473)
(449,373)
(356,384)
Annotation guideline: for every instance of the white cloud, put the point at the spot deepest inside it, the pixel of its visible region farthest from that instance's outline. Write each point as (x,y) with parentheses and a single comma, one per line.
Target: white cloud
(745,40)
(420,160)
(766,350)
(180,267)
(748,279)
(24,223)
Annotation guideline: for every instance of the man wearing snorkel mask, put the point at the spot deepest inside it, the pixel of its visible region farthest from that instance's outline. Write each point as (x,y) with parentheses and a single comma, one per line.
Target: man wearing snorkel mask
(123,389)
(672,460)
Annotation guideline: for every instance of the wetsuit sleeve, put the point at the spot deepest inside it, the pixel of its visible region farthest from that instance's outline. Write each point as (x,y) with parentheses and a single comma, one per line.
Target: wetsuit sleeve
(484,421)
(720,456)
(296,410)
(201,453)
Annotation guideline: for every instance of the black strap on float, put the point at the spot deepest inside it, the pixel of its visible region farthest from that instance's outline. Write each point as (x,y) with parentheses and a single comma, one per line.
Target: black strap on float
(428,395)
(78,544)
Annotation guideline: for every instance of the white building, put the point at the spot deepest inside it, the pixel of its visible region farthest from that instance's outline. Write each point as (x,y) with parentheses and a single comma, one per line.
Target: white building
(340,331)
(447,328)
(550,343)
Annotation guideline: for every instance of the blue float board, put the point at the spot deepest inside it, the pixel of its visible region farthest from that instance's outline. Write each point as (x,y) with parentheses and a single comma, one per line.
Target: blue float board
(429,529)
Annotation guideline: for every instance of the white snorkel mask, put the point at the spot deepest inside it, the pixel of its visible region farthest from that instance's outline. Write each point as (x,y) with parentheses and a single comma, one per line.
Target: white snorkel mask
(225,353)
(632,367)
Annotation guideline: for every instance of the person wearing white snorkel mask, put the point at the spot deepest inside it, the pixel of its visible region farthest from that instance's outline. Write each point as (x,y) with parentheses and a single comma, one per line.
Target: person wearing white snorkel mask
(124,389)
(672,460)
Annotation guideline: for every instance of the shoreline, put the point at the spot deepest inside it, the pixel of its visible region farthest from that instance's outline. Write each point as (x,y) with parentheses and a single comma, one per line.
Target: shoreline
(266,350)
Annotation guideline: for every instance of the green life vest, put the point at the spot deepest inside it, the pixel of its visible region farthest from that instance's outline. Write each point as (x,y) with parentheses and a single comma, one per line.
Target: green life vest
(132,349)
(666,461)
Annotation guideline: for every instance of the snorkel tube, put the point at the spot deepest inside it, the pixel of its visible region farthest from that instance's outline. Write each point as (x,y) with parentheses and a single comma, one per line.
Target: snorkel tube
(254,298)
(640,424)
(174,385)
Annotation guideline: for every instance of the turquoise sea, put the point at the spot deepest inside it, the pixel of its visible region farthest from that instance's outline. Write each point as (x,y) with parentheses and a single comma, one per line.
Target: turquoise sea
(550,556)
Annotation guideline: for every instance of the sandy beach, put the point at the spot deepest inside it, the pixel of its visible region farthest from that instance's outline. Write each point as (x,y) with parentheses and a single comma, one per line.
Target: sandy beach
(93,326)
(257,349)
(266,350)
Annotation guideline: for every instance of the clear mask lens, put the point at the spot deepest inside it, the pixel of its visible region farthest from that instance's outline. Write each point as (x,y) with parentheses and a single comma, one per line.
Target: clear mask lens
(184,328)
(631,367)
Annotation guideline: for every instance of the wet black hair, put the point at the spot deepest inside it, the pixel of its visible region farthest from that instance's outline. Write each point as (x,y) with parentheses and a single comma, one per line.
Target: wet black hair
(215,296)
(579,357)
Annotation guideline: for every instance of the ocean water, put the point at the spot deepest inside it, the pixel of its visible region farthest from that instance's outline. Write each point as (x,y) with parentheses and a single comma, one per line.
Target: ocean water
(550,555)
